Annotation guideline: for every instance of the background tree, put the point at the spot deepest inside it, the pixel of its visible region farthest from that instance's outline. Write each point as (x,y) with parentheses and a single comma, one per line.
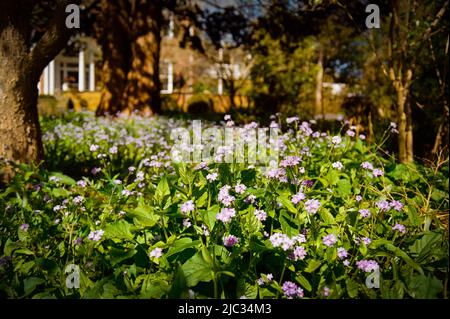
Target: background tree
(32,33)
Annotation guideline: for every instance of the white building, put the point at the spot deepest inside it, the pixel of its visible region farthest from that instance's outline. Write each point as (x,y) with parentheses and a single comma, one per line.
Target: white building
(65,72)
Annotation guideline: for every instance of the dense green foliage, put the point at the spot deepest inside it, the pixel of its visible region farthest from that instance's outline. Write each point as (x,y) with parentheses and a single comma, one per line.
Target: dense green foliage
(134,234)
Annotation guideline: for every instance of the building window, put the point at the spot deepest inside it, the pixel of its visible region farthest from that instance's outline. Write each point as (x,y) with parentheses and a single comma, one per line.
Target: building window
(166,77)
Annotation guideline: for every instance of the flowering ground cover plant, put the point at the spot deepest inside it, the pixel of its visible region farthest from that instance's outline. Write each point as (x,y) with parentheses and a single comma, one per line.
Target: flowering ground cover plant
(335,219)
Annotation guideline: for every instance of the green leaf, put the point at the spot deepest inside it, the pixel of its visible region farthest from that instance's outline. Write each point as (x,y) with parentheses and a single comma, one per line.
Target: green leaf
(312,265)
(326,216)
(154,288)
(180,245)
(424,287)
(285,201)
(344,187)
(209,217)
(24,251)
(162,190)
(119,230)
(288,225)
(332,177)
(424,245)
(64,179)
(412,214)
(196,269)
(249,290)
(398,252)
(144,216)
(60,192)
(10,246)
(119,254)
(404,173)
(179,283)
(30,284)
(303,282)
(352,288)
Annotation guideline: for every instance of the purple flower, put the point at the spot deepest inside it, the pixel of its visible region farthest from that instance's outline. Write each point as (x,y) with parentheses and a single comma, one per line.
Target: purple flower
(383,205)
(329,240)
(395,204)
(400,228)
(377,172)
(250,199)
(290,161)
(24,227)
(240,188)
(202,165)
(308,183)
(337,165)
(186,223)
(364,213)
(358,198)
(95,170)
(281,240)
(226,214)
(262,281)
(230,240)
(366,240)
(312,206)
(96,235)
(301,238)
(82,183)
(297,198)
(212,177)
(362,137)
(224,197)
(78,200)
(94,147)
(326,291)
(187,207)
(113,150)
(291,290)
(78,241)
(351,133)
(342,253)
(156,253)
(126,192)
(290,120)
(336,140)
(346,263)
(299,253)
(260,215)
(367,265)
(367,165)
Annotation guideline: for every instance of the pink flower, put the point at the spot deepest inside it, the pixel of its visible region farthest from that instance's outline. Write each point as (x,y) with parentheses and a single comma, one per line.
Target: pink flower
(187,207)
(156,253)
(230,240)
(226,214)
(329,240)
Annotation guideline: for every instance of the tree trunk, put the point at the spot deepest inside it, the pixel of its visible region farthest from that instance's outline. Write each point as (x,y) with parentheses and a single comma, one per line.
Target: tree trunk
(115,43)
(143,84)
(409,134)
(19,125)
(319,84)
(401,117)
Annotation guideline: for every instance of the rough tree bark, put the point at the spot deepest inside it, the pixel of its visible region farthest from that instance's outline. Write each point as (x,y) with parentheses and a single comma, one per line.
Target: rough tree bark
(113,37)
(21,65)
(129,34)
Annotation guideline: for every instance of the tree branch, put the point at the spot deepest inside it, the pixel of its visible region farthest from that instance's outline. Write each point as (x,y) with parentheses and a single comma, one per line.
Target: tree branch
(52,42)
